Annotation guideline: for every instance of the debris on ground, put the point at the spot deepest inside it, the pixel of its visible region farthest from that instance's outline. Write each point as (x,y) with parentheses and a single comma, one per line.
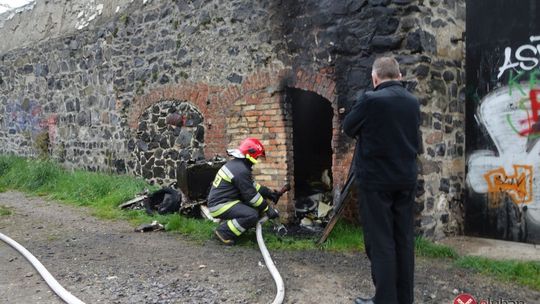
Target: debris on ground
(163,201)
(154,226)
(312,211)
(194,180)
(186,196)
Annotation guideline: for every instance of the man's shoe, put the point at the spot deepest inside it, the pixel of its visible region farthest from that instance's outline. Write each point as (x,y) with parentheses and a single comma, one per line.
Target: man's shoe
(227,242)
(363,301)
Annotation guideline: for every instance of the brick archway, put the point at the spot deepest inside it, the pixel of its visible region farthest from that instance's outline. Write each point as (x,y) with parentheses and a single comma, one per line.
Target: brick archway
(257,104)
(323,84)
(214,102)
(204,97)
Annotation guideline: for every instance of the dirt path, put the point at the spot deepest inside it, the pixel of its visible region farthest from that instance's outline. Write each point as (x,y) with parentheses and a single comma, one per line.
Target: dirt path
(106,262)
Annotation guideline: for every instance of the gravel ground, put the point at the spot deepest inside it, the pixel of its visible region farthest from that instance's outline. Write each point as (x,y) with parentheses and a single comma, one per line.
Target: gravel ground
(106,262)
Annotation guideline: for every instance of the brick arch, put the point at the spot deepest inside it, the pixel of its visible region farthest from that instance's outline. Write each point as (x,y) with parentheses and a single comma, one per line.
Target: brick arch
(214,102)
(323,84)
(204,97)
(320,82)
(258,98)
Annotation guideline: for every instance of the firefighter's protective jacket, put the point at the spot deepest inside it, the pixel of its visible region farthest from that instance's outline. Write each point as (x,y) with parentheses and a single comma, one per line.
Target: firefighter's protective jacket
(234,184)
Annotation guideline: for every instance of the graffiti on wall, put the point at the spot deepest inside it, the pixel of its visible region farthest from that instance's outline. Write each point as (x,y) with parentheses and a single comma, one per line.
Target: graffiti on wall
(525,57)
(503,120)
(510,116)
(25,116)
(518,185)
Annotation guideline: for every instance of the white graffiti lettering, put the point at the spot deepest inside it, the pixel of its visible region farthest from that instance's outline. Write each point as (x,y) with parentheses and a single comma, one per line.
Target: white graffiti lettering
(526,57)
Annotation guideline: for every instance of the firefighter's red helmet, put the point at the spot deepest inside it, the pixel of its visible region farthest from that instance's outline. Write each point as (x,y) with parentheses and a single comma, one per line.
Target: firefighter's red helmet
(250,148)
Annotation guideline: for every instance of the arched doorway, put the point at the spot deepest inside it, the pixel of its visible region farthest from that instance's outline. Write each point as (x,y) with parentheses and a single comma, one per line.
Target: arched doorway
(312,144)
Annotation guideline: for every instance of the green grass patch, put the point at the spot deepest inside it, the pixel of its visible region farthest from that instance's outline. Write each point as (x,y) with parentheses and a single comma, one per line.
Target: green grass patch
(102,193)
(345,237)
(426,248)
(21,174)
(5,211)
(522,273)
(196,229)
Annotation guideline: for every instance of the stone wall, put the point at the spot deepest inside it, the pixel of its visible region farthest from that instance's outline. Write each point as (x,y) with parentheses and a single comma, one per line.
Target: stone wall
(100,95)
(441,88)
(40,20)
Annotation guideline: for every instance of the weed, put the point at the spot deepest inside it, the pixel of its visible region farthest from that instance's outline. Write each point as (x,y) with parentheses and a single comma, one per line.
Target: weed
(4,211)
(42,144)
(124,19)
(426,248)
(184,75)
(52,237)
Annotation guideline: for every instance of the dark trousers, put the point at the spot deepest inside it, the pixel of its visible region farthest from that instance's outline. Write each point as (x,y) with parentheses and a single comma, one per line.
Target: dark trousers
(388,223)
(246,217)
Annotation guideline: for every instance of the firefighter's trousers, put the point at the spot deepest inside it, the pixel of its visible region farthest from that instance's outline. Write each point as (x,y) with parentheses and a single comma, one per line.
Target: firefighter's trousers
(236,220)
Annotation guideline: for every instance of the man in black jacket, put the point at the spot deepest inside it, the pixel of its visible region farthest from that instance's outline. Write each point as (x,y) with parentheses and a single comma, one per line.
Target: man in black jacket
(385,123)
(235,198)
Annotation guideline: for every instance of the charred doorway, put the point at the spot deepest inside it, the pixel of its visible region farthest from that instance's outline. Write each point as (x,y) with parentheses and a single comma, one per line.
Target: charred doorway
(312,147)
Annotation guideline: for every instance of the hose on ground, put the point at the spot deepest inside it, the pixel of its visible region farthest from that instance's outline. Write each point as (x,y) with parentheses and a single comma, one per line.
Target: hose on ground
(51,281)
(280,287)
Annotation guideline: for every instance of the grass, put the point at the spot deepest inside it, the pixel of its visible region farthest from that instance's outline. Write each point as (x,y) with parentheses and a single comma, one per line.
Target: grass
(428,249)
(4,211)
(103,194)
(100,192)
(345,237)
(196,229)
(522,273)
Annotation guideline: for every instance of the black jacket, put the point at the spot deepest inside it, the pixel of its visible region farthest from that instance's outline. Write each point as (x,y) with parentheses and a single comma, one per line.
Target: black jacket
(234,183)
(385,123)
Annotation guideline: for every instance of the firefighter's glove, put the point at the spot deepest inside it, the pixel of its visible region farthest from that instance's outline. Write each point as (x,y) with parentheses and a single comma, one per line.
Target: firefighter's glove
(274,196)
(270,194)
(272,213)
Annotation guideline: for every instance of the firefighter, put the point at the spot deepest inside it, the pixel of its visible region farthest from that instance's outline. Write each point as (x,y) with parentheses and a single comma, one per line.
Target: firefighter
(235,198)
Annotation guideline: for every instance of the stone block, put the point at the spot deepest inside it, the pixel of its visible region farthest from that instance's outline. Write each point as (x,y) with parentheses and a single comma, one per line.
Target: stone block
(428,167)
(434,137)
(386,43)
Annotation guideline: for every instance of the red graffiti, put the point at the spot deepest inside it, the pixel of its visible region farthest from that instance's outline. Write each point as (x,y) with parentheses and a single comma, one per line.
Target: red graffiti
(532,121)
(51,125)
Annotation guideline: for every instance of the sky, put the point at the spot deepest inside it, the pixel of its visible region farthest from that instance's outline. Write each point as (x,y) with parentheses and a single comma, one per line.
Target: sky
(11,4)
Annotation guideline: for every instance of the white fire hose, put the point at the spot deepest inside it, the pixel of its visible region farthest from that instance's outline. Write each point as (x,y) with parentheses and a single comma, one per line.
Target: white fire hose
(55,286)
(71,299)
(280,287)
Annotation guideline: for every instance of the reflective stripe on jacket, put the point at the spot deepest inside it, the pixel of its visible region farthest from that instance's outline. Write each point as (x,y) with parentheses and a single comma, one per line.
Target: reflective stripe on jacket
(234,184)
